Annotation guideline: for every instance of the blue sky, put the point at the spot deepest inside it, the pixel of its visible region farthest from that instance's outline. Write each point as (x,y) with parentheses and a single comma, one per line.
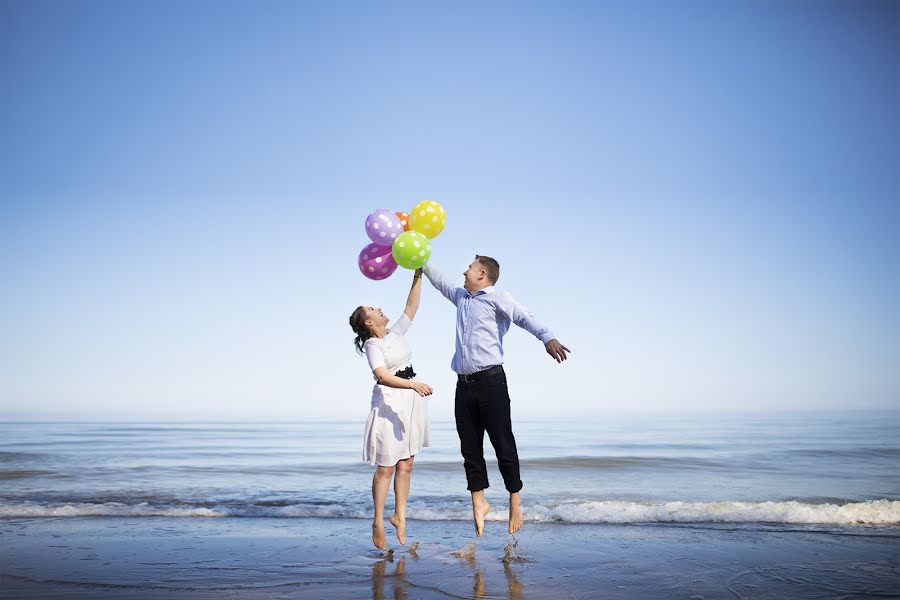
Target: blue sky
(701,200)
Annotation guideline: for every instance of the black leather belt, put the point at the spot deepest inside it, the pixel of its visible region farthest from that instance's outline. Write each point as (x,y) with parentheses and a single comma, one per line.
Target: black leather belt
(473,377)
(406,373)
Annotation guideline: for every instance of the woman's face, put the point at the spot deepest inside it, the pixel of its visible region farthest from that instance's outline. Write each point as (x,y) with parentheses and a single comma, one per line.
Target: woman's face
(375,316)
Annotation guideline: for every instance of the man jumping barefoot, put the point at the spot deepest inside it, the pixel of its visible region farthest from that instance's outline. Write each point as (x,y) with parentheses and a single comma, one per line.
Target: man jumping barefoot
(483,316)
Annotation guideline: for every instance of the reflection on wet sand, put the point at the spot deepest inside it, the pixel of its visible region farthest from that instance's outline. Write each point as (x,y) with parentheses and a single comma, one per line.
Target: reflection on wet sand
(514,588)
(397,579)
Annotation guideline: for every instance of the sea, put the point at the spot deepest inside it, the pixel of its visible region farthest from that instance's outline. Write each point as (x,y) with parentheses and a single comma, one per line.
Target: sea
(824,470)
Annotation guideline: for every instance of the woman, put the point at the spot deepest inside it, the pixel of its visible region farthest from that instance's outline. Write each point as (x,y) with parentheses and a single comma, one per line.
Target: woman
(397,427)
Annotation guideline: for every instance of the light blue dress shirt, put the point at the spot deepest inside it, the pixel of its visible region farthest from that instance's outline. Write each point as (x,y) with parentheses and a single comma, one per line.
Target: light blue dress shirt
(482,319)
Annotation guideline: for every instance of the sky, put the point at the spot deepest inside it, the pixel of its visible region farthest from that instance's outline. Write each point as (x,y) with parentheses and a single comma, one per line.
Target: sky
(700,199)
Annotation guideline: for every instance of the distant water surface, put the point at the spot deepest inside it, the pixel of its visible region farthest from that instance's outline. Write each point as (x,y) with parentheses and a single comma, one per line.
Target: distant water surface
(831,469)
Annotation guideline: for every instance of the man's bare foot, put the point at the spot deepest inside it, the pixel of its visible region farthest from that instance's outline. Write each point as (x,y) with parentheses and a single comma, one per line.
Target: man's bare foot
(480,508)
(515,513)
(378,535)
(400,524)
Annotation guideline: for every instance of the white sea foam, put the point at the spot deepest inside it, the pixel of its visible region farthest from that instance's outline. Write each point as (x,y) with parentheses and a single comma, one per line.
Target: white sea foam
(144,509)
(107,509)
(874,512)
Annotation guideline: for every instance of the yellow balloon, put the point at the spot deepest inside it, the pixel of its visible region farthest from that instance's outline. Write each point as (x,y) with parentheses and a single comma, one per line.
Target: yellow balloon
(428,217)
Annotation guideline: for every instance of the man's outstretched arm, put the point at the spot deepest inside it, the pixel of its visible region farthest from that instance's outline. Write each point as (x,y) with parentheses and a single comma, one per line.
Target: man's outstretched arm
(519,315)
(441,283)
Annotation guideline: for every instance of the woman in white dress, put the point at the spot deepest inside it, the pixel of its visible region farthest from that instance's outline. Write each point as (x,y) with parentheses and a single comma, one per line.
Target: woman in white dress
(397,427)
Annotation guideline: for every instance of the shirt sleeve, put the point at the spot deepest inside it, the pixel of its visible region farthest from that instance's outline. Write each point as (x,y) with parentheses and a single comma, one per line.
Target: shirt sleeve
(441,283)
(374,354)
(402,325)
(518,314)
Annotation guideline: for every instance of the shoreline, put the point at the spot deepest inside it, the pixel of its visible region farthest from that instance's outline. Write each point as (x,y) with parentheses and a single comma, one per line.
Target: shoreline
(250,558)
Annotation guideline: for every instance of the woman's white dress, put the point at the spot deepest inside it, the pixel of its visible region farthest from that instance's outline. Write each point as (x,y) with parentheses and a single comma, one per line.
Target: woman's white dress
(397,427)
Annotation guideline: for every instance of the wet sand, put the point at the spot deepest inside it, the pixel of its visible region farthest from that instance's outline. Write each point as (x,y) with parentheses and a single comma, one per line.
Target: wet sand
(162,558)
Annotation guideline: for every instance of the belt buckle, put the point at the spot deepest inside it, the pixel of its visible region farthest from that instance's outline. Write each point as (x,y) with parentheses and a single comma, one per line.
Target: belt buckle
(466,378)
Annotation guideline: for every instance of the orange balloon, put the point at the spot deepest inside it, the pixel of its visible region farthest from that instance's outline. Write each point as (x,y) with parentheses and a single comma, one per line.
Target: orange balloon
(404,219)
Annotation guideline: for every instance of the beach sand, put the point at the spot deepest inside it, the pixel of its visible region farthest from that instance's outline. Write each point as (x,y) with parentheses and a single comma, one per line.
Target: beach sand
(246,558)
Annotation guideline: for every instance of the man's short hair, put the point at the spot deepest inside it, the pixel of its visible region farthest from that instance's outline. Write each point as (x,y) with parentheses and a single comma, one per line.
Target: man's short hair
(491,267)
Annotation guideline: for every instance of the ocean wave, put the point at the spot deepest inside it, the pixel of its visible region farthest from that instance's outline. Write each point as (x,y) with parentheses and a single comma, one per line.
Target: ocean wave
(159,468)
(23,474)
(863,452)
(145,509)
(11,457)
(873,512)
(588,463)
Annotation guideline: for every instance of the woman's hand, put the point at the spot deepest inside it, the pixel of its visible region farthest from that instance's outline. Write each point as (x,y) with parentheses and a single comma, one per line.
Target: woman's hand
(422,388)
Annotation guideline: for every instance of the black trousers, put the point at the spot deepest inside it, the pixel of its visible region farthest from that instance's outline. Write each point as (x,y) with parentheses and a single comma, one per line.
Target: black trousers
(481,406)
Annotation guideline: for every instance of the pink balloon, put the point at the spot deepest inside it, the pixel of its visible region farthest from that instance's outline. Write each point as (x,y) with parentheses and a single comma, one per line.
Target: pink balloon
(383,227)
(376,262)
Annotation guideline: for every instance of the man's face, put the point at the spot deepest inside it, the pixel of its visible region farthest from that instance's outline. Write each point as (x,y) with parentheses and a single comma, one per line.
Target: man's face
(473,275)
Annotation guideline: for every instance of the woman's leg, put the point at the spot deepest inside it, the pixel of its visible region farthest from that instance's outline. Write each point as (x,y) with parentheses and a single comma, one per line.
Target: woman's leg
(381,483)
(401,493)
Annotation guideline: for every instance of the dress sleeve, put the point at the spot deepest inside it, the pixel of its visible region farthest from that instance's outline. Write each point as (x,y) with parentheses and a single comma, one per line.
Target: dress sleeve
(374,354)
(402,325)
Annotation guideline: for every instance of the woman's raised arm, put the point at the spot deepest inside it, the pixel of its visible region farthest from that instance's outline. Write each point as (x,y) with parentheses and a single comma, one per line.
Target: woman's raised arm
(412,301)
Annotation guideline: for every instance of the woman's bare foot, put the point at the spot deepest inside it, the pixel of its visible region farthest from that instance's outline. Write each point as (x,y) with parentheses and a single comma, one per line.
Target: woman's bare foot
(515,513)
(478,591)
(480,508)
(378,535)
(400,524)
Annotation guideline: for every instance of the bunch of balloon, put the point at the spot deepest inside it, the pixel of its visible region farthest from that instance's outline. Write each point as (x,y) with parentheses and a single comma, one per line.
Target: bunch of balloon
(401,239)
(412,249)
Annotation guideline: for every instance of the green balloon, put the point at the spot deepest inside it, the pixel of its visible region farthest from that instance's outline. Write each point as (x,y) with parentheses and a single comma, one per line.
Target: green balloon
(411,250)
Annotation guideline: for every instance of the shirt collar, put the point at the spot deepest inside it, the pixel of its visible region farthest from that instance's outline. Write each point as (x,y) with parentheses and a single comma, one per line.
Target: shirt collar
(486,290)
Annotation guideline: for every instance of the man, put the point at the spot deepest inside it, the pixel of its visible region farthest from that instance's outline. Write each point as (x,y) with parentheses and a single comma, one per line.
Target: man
(483,316)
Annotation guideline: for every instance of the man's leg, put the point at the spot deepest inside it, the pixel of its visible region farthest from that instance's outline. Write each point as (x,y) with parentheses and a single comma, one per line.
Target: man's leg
(471,441)
(494,407)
